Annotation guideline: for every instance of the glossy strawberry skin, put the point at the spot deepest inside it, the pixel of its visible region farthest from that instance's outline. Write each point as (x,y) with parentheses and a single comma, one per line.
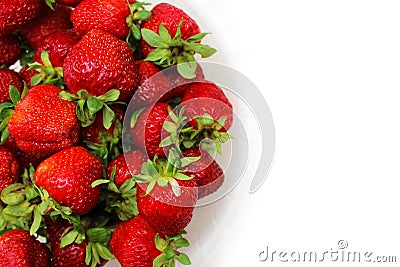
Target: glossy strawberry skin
(100,62)
(150,90)
(20,249)
(47,23)
(8,78)
(126,165)
(57,45)
(207,97)
(166,213)
(68,176)
(9,168)
(69,2)
(207,173)
(43,123)
(15,14)
(106,15)
(133,244)
(9,49)
(148,130)
(170,16)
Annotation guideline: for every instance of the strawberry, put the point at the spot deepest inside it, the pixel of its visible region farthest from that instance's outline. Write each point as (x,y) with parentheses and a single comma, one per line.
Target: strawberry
(171,37)
(165,195)
(106,15)
(9,168)
(49,22)
(9,49)
(14,15)
(9,78)
(27,75)
(43,123)
(123,172)
(207,97)
(68,176)
(20,249)
(98,63)
(134,243)
(24,160)
(57,45)
(207,173)
(169,16)
(147,129)
(150,90)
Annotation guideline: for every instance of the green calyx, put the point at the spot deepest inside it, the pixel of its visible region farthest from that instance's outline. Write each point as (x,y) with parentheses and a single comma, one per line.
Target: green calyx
(164,172)
(7,109)
(109,146)
(134,21)
(47,74)
(88,106)
(169,248)
(50,3)
(170,51)
(121,201)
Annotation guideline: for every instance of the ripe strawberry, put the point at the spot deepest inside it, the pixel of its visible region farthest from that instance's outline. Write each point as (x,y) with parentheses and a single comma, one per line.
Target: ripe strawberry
(106,15)
(207,98)
(68,176)
(207,173)
(126,165)
(133,244)
(27,75)
(43,123)
(9,49)
(57,45)
(15,14)
(167,213)
(9,168)
(8,78)
(170,16)
(98,63)
(150,90)
(147,130)
(18,248)
(47,23)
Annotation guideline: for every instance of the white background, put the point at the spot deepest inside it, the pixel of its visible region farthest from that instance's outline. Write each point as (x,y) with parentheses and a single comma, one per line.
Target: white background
(329,71)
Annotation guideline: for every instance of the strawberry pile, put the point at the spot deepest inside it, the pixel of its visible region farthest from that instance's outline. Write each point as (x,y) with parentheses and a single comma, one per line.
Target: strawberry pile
(90,73)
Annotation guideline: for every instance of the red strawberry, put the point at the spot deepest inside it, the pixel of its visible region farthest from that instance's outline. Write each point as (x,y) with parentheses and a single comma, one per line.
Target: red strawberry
(8,78)
(150,90)
(47,23)
(134,159)
(92,133)
(9,49)
(148,131)
(207,97)
(170,16)
(68,176)
(207,173)
(27,75)
(57,45)
(18,248)
(15,14)
(106,15)
(9,168)
(133,244)
(43,123)
(98,63)
(167,213)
